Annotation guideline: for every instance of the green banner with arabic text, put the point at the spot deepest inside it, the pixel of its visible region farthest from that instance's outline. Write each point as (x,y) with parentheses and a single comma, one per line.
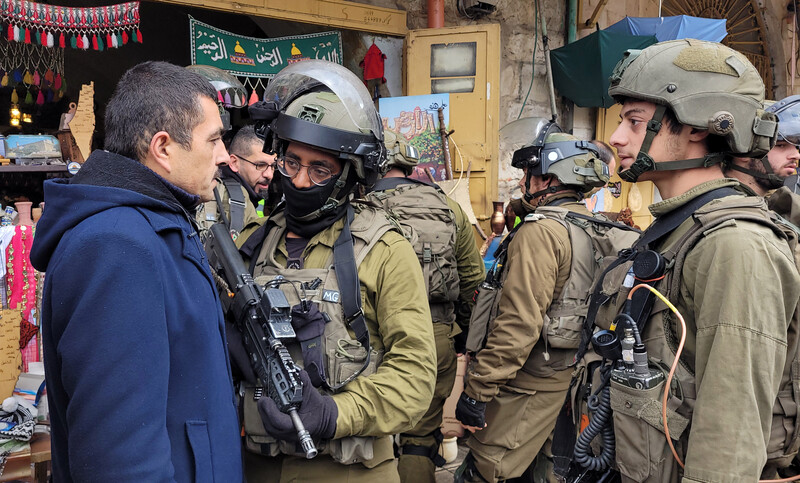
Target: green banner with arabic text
(253,57)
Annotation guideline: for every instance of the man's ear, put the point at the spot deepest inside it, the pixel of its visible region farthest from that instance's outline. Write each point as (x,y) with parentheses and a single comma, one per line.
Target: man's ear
(159,153)
(697,135)
(233,163)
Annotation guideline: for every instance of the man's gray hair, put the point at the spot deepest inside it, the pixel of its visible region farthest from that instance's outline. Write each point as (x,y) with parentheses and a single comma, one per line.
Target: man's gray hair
(152,97)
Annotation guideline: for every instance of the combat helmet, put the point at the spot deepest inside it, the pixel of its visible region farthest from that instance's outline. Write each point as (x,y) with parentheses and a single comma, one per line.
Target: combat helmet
(325,106)
(788,112)
(575,163)
(399,154)
(223,82)
(708,86)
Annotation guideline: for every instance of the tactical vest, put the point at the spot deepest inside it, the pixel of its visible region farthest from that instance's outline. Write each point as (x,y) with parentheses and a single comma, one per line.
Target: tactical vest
(429,224)
(641,450)
(344,355)
(595,242)
(210,212)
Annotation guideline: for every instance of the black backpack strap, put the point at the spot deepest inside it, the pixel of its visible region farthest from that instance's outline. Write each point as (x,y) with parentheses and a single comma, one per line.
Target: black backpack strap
(222,214)
(563,445)
(658,230)
(669,222)
(252,246)
(344,263)
(236,204)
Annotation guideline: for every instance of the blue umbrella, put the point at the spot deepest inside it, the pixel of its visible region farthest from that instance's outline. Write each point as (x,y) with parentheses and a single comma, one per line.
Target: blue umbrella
(671,28)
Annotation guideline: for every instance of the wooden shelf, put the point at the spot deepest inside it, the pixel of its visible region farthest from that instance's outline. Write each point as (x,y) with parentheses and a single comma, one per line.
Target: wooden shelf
(43,168)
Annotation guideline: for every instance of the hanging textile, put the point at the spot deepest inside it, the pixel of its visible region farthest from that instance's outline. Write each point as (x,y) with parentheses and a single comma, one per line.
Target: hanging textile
(373,64)
(80,27)
(32,70)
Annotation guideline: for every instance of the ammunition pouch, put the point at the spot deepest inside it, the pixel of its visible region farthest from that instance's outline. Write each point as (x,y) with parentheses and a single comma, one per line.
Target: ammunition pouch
(642,450)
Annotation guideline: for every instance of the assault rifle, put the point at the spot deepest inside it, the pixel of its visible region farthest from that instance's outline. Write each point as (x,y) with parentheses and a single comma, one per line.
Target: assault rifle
(263,316)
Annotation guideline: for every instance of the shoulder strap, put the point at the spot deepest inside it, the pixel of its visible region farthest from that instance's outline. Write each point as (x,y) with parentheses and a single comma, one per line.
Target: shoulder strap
(669,222)
(236,204)
(602,222)
(222,214)
(252,246)
(708,220)
(347,275)
(392,183)
(660,228)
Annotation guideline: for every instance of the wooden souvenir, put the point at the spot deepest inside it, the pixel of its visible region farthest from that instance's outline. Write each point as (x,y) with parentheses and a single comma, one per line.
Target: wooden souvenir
(82,124)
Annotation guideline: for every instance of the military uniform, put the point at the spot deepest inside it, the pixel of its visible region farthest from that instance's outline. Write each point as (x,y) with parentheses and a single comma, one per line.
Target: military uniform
(460,270)
(525,391)
(732,360)
(394,397)
(208,213)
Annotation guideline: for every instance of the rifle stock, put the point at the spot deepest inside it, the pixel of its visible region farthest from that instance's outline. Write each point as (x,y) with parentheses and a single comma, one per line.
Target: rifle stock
(263,317)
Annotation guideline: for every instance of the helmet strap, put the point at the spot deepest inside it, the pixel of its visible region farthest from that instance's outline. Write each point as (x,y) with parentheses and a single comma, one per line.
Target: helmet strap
(772,179)
(334,201)
(528,196)
(547,191)
(644,162)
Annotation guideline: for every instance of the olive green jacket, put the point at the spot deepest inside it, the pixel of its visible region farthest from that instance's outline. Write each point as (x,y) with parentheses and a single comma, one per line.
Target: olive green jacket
(470,264)
(537,268)
(395,306)
(208,213)
(739,288)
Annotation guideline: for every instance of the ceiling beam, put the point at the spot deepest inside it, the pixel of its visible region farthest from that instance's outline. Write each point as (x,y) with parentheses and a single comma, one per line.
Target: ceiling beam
(331,13)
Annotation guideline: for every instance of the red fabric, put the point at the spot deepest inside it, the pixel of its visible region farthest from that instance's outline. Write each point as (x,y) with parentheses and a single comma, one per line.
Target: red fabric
(10,32)
(373,64)
(61,42)
(26,333)
(27,36)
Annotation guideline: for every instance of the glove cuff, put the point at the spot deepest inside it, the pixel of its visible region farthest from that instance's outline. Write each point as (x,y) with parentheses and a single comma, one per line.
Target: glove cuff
(330,413)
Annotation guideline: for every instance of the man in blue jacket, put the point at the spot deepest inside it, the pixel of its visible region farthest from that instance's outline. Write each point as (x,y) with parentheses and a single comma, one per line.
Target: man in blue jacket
(135,354)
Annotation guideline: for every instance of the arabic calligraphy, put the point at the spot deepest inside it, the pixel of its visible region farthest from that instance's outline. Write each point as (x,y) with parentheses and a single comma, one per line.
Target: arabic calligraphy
(214,48)
(259,57)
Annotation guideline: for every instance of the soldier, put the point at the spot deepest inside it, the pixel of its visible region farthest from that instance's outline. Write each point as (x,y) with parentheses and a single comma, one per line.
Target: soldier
(445,245)
(363,327)
(770,172)
(519,379)
(720,260)
(766,177)
(241,188)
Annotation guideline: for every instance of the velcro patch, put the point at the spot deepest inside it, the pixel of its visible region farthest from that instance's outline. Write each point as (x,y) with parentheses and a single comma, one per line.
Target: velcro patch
(696,58)
(330,296)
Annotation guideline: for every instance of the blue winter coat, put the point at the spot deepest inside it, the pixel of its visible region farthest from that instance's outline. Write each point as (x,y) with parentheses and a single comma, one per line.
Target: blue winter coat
(138,379)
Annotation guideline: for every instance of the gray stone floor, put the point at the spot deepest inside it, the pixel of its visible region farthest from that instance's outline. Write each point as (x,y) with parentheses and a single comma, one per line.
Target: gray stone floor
(445,474)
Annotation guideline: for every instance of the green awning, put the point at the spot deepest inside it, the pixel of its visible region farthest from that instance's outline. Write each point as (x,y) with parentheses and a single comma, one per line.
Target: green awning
(581,69)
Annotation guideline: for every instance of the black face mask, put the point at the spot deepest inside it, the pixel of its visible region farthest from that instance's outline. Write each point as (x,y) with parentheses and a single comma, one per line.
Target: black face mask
(301,202)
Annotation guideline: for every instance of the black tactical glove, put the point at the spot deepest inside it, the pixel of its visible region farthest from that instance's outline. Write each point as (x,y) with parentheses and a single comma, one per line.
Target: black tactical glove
(318,413)
(309,325)
(240,359)
(470,412)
